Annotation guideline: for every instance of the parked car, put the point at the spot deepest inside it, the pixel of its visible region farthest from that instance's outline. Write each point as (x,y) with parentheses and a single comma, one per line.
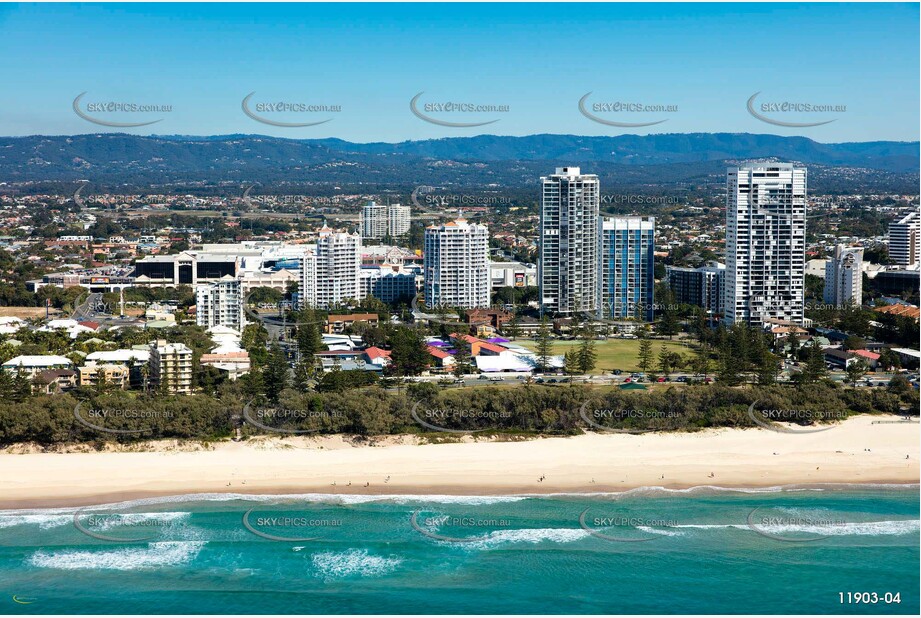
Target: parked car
(681,379)
(661,379)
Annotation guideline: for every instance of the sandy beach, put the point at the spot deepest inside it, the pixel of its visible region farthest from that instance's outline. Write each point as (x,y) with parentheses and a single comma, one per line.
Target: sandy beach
(863,449)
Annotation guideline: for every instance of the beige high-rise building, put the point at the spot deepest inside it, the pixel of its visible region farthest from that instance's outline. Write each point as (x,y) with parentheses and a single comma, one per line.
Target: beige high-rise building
(171,367)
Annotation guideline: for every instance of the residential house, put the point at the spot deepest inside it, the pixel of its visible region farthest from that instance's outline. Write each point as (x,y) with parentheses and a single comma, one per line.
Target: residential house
(377,356)
(32,365)
(54,381)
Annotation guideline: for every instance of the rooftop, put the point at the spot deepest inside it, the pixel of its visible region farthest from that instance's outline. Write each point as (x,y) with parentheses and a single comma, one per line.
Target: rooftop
(49,360)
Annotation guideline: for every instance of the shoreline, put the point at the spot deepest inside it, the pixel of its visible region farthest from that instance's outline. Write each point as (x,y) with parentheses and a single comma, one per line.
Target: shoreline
(857,451)
(109,500)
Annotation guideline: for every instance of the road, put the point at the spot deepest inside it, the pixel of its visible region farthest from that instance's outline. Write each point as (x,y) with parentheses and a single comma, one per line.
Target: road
(89,307)
(877,379)
(93,308)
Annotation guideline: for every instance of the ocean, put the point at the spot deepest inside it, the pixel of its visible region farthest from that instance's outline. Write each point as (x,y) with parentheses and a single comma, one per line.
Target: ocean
(828,549)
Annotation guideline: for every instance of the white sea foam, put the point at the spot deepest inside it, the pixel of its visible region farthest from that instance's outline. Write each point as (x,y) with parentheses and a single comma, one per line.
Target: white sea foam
(55,518)
(458,499)
(160,554)
(311,497)
(416,499)
(869,528)
(660,531)
(703,489)
(657,489)
(44,521)
(108,521)
(531,536)
(353,562)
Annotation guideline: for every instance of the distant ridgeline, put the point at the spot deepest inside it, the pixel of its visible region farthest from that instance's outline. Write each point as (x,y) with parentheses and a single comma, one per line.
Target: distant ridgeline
(182,164)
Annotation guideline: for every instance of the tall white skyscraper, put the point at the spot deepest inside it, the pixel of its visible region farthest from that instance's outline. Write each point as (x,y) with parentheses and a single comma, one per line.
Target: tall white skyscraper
(380,220)
(331,273)
(398,219)
(373,220)
(456,265)
(568,268)
(220,304)
(844,277)
(904,237)
(765,243)
(307,286)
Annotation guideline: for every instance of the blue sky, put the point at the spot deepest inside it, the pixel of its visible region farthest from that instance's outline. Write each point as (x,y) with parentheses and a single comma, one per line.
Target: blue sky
(538,59)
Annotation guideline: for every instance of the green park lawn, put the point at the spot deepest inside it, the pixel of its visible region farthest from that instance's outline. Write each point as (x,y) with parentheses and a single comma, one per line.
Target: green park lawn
(615,353)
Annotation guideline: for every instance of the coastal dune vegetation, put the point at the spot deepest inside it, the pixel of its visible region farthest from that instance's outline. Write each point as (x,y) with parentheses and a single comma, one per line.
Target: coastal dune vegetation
(420,408)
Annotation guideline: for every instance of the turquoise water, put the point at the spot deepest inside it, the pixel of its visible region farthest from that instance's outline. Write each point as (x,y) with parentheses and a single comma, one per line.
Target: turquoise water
(705,550)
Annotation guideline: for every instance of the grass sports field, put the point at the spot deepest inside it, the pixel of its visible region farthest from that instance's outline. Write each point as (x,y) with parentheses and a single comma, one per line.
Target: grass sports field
(615,353)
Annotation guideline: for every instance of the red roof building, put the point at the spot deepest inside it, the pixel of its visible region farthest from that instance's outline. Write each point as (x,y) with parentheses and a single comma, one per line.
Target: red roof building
(374,353)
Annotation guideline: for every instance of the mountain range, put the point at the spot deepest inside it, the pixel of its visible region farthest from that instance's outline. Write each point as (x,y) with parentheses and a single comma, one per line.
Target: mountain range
(111,159)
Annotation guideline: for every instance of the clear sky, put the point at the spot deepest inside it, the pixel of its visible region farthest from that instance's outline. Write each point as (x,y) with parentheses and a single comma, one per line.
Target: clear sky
(538,59)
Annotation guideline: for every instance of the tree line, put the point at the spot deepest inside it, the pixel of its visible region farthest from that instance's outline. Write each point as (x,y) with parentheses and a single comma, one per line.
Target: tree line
(346,405)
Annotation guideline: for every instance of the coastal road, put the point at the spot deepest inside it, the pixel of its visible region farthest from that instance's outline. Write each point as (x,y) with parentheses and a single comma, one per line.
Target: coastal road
(876,379)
